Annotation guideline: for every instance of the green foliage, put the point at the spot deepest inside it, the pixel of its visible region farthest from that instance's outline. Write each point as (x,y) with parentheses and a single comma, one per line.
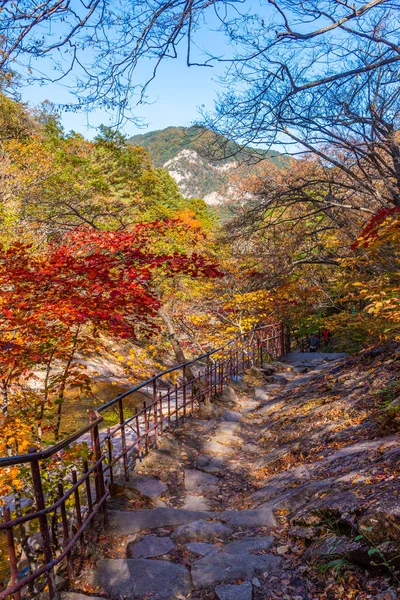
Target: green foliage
(166,144)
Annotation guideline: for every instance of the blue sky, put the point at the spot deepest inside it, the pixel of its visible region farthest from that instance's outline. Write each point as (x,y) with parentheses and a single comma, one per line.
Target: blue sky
(174,96)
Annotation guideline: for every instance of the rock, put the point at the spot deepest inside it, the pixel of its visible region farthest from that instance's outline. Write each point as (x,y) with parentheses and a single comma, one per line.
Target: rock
(197,503)
(137,579)
(258,517)
(266,434)
(227,428)
(389,594)
(166,456)
(203,483)
(251,448)
(234,592)
(269,370)
(249,405)
(203,460)
(215,448)
(150,546)
(340,546)
(35,542)
(395,403)
(150,487)
(201,548)
(201,531)
(261,395)
(248,545)
(226,439)
(279,379)
(222,567)
(269,407)
(280,367)
(230,415)
(253,376)
(228,396)
(303,533)
(300,369)
(216,464)
(122,523)
(77,596)
(271,458)
(390,551)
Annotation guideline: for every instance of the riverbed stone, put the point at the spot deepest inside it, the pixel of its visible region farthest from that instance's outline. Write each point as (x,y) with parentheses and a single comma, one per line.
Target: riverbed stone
(242,591)
(201,531)
(124,523)
(135,579)
(150,546)
(222,567)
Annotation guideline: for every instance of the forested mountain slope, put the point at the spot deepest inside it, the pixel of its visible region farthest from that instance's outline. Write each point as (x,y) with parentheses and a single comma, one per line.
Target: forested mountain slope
(200,161)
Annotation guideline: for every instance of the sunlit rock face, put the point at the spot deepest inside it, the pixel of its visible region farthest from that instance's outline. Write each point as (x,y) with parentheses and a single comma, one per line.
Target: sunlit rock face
(203,164)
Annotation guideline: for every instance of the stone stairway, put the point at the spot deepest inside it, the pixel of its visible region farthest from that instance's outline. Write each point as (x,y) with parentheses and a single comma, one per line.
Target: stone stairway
(188,523)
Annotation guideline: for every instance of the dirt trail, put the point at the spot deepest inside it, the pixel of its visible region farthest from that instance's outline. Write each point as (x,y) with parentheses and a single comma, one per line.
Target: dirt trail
(287,489)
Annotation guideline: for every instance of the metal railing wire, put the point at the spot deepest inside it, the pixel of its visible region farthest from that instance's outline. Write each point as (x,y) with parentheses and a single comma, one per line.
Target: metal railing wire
(57,517)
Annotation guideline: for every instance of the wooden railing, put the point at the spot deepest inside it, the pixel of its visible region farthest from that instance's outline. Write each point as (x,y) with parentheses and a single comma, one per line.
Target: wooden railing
(62,496)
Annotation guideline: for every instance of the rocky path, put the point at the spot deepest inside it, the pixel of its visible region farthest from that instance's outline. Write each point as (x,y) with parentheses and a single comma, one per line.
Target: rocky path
(227,507)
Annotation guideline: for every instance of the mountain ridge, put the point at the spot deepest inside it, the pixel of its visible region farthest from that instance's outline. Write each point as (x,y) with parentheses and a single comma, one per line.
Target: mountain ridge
(201,161)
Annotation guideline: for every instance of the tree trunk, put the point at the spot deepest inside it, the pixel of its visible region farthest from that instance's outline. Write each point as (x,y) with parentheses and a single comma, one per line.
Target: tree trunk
(176,346)
(395,151)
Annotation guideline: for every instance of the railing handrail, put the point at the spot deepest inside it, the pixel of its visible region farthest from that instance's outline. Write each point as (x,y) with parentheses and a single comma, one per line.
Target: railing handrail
(9,461)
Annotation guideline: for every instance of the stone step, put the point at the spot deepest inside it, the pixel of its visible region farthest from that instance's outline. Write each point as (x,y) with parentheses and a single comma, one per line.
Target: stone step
(126,522)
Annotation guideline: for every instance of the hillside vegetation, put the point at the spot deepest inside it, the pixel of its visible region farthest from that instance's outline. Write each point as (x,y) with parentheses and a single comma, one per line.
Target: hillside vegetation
(201,161)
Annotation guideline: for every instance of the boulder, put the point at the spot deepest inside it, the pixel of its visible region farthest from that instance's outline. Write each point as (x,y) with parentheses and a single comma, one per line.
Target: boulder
(340,547)
(149,487)
(381,521)
(228,396)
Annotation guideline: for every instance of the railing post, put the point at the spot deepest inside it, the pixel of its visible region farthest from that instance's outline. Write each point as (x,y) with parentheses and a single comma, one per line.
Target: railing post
(184,396)
(146,428)
(207,382)
(139,447)
(123,438)
(101,486)
(43,524)
(11,551)
(161,414)
(109,450)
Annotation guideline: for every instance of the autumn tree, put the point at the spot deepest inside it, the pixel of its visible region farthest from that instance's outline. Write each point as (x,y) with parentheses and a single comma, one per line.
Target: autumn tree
(56,303)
